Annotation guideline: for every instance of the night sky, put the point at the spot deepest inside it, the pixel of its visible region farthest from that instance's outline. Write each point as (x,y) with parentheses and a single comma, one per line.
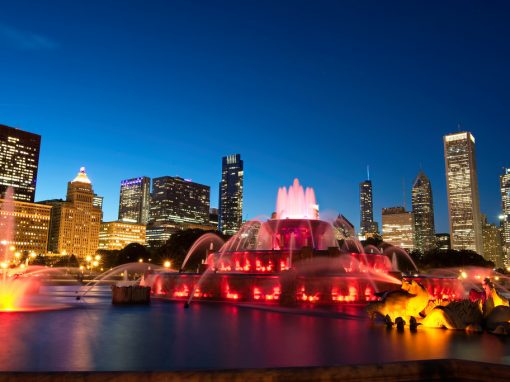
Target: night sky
(309,89)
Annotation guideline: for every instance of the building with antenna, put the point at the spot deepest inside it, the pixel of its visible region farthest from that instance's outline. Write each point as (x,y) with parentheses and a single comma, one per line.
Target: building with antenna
(368,227)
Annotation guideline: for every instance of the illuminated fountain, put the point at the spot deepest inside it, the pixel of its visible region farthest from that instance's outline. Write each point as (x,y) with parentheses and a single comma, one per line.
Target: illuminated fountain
(18,281)
(294,257)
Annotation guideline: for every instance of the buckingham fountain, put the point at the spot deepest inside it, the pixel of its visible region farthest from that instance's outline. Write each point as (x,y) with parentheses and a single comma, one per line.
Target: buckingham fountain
(290,263)
(292,258)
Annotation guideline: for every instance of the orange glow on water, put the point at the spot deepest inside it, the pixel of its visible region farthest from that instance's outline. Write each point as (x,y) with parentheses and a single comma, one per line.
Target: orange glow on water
(13,292)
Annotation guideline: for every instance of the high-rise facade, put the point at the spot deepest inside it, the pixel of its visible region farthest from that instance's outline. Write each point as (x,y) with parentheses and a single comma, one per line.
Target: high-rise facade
(504,183)
(19,160)
(462,187)
(74,225)
(344,229)
(423,212)
(443,241)
(134,200)
(176,204)
(231,194)
(492,243)
(28,224)
(117,234)
(398,227)
(367,224)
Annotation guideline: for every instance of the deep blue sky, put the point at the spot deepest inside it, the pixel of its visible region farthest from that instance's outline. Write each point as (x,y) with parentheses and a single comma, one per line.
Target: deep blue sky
(309,89)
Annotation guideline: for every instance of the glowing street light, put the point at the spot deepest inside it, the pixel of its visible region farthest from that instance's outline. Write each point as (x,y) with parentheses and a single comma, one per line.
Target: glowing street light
(167,264)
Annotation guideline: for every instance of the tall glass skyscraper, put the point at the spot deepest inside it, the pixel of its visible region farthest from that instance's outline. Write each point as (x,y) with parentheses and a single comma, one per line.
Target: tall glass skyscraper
(462,187)
(423,211)
(231,195)
(504,182)
(135,199)
(19,160)
(367,224)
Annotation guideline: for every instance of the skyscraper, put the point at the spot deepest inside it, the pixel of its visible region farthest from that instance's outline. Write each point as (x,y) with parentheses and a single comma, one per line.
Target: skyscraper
(231,194)
(19,160)
(74,223)
(492,243)
(504,181)
(423,211)
(367,224)
(462,187)
(176,204)
(398,227)
(135,200)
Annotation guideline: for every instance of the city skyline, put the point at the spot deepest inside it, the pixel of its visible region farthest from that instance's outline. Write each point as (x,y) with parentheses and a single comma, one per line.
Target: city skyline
(270,93)
(403,201)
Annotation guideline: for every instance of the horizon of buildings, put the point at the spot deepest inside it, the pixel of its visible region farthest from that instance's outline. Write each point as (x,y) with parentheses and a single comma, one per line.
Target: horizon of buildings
(176,203)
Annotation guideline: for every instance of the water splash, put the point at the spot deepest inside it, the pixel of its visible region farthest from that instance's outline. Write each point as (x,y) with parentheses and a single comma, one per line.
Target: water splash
(296,203)
(208,241)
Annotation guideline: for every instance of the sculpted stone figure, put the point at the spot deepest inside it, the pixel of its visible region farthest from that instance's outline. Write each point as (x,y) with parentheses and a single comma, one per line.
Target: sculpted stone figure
(455,315)
(405,303)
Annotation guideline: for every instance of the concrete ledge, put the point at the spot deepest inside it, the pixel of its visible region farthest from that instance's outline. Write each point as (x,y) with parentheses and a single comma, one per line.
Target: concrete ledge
(430,370)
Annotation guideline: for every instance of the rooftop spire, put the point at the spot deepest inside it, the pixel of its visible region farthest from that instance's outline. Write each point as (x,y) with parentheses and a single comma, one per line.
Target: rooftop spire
(81,177)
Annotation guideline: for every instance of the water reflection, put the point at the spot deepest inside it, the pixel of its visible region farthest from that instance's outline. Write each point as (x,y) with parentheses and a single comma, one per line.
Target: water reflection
(165,336)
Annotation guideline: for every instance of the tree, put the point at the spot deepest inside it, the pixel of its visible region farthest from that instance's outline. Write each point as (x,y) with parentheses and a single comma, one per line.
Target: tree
(176,248)
(67,261)
(129,254)
(453,258)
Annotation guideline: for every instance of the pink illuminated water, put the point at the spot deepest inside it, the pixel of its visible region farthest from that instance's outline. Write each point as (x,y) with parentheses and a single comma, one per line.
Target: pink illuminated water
(6,225)
(296,203)
(15,283)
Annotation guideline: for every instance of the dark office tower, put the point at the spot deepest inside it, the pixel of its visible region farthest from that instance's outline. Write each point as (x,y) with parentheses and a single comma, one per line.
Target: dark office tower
(462,187)
(134,200)
(179,201)
(231,195)
(19,158)
(423,212)
(367,224)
